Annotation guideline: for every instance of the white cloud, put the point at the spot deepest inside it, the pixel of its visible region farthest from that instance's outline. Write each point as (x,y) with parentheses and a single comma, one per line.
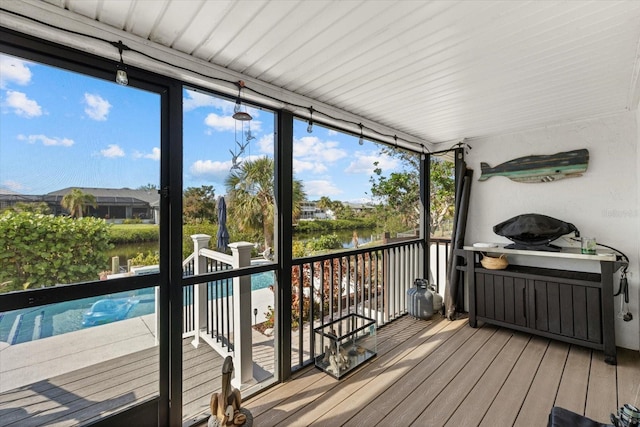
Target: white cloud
(311,147)
(22,105)
(220,123)
(332,132)
(193,100)
(314,155)
(319,188)
(46,140)
(216,170)
(265,144)
(13,70)
(300,166)
(210,168)
(96,107)
(13,186)
(154,155)
(113,150)
(363,163)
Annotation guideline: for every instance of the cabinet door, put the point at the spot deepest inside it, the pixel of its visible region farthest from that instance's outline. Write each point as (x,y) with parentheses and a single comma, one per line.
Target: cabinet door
(567,309)
(501,298)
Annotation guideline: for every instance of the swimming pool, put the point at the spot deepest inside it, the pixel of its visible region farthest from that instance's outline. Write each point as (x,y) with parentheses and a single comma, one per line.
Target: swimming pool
(29,324)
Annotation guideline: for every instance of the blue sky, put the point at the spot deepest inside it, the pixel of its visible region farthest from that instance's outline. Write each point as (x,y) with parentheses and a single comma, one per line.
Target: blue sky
(59,129)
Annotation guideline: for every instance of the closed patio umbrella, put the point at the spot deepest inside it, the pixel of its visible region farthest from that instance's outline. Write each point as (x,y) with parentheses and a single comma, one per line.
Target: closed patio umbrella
(223,234)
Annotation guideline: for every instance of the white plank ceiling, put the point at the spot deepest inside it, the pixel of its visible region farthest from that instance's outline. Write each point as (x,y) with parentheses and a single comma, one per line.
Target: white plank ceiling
(439,71)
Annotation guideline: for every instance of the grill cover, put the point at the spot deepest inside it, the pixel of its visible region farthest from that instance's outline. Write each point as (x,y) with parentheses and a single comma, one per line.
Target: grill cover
(534,231)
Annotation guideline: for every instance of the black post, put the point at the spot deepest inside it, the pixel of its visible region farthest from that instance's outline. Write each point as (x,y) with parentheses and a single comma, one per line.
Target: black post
(173,194)
(284,245)
(425,212)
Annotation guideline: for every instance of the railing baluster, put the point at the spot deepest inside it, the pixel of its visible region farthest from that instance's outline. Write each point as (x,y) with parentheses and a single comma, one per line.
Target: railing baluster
(311,304)
(376,284)
(437,278)
(340,286)
(356,284)
(219,296)
(365,288)
(300,318)
(403,276)
(331,289)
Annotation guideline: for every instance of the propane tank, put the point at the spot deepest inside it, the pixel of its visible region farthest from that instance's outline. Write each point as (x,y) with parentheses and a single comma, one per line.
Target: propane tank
(420,300)
(437,299)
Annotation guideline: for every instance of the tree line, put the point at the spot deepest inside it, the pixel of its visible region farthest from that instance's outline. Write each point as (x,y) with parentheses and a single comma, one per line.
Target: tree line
(38,249)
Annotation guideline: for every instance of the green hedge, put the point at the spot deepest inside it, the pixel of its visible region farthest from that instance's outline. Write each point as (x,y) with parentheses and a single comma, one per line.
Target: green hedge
(133,233)
(44,250)
(190,229)
(323,243)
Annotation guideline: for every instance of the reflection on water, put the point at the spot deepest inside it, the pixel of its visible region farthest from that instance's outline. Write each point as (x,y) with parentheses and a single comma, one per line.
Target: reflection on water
(346,236)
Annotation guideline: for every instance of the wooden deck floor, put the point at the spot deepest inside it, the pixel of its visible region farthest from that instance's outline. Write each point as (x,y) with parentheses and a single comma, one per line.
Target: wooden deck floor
(449,374)
(426,374)
(88,394)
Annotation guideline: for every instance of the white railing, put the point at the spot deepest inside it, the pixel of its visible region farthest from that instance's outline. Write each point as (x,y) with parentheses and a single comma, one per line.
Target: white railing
(233,332)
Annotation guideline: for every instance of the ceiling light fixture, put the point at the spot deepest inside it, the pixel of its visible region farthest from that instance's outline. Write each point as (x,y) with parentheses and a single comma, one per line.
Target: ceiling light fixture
(310,126)
(121,72)
(361,139)
(238,114)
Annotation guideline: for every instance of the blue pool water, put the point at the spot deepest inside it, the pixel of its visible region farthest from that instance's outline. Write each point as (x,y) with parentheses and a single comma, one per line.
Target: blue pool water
(63,317)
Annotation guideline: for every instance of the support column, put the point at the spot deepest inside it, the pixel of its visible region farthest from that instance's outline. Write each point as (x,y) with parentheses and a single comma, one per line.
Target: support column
(242,339)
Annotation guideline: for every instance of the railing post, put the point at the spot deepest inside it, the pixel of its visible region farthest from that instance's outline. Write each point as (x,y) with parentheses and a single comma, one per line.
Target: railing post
(242,340)
(200,241)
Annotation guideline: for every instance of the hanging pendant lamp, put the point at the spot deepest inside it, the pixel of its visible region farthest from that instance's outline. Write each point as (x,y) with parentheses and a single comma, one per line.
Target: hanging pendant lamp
(238,114)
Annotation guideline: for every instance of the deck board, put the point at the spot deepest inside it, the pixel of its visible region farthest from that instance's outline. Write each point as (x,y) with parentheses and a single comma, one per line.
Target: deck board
(452,396)
(628,376)
(489,385)
(400,382)
(425,373)
(311,383)
(542,393)
(572,393)
(452,374)
(599,405)
(431,387)
(504,409)
(357,388)
(87,394)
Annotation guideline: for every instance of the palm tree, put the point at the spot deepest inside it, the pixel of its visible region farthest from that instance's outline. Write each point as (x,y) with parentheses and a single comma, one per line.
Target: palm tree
(252,200)
(76,202)
(324,203)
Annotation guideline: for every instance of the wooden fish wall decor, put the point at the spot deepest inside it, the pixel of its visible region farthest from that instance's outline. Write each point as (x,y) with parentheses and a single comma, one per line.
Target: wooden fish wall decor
(545,168)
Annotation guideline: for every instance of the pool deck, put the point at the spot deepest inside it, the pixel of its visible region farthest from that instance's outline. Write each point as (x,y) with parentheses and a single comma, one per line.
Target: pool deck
(33,361)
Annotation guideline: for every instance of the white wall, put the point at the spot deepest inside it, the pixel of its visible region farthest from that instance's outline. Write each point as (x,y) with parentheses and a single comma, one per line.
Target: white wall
(603,203)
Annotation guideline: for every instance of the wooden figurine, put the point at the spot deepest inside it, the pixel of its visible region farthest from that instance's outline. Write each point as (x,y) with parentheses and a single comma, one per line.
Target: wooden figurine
(225,406)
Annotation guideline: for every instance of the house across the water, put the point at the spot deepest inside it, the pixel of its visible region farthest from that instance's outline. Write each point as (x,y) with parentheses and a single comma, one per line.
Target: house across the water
(113,204)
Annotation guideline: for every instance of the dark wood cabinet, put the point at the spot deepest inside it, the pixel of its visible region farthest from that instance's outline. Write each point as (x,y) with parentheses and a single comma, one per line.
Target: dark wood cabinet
(572,306)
